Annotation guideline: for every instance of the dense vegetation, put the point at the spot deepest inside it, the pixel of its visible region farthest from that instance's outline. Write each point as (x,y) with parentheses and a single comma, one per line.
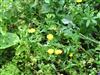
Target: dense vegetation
(49,37)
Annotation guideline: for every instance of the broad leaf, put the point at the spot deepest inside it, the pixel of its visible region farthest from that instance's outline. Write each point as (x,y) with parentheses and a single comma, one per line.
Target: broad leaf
(7,40)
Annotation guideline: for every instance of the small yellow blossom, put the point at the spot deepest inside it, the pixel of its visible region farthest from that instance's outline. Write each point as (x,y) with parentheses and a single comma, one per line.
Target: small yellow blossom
(32,30)
(78,1)
(58,52)
(50,51)
(71,55)
(49,36)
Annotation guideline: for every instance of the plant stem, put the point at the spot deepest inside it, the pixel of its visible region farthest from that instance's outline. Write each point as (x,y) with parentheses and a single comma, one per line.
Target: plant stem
(85,37)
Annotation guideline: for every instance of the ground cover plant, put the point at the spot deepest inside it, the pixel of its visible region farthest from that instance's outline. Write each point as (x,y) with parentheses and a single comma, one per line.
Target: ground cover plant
(49,37)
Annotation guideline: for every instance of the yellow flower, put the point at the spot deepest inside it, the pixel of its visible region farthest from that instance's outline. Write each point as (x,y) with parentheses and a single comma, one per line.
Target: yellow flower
(57,52)
(32,30)
(71,55)
(49,36)
(50,51)
(78,1)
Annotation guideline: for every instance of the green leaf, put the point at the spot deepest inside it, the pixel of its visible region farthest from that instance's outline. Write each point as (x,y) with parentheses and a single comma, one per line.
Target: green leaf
(65,21)
(7,40)
(98,1)
(98,62)
(98,15)
(9,69)
(61,2)
(47,1)
(45,8)
(87,23)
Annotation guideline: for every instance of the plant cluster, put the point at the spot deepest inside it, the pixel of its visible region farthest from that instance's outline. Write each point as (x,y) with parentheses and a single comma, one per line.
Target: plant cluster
(49,37)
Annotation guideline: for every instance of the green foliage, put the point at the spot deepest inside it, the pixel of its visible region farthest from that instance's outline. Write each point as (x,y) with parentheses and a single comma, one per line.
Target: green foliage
(74,29)
(7,40)
(10,69)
